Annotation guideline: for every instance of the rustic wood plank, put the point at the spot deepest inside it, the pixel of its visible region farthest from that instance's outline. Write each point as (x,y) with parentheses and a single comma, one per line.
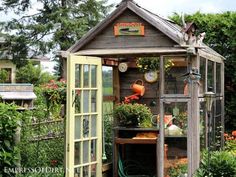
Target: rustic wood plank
(194,123)
(158,24)
(152,38)
(161,141)
(136,141)
(130,51)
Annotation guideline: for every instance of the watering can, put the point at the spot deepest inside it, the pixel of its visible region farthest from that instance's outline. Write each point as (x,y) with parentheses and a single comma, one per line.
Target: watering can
(138,87)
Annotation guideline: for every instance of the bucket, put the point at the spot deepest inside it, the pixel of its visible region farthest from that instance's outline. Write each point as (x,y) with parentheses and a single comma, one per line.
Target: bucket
(138,87)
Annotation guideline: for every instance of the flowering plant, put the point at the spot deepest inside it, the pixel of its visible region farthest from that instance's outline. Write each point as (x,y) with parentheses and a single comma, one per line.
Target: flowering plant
(230,142)
(55,94)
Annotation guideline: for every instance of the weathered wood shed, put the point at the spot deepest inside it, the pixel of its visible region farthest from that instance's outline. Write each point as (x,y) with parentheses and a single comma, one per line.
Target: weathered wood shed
(178,93)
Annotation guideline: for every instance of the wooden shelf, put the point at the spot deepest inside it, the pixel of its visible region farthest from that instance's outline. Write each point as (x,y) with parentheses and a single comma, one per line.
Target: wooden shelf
(176,136)
(136,140)
(136,129)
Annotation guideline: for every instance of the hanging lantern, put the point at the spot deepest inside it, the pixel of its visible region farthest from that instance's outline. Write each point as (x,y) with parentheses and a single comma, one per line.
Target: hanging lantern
(209,97)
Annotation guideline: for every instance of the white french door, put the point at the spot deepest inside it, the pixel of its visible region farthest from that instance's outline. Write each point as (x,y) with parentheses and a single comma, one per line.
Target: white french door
(84,114)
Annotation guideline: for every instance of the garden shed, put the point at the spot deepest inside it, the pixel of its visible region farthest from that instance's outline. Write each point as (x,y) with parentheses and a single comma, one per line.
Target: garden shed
(157,63)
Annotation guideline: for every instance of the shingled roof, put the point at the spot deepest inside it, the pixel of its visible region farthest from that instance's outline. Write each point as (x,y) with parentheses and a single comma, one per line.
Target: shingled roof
(166,26)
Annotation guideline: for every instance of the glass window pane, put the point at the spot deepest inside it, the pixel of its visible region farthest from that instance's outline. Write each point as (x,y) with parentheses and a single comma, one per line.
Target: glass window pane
(218,78)
(86,126)
(77,127)
(85,101)
(77,101)
(86,75)
(203,75)
(93,170)
(77,153)
(85,151)
(210,76)
(93,150)
(217,125)
(77,75)
(203,126)
(93,76)
(93,101)
(107,80)
(93,126)
(85,171)
(174,70)
(77,172)
(175,156)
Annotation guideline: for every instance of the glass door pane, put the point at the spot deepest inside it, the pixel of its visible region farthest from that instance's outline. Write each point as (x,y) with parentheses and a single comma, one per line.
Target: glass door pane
(175,147)
(175,69)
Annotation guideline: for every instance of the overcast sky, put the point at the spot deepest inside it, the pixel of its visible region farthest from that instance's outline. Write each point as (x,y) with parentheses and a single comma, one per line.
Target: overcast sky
(167,7)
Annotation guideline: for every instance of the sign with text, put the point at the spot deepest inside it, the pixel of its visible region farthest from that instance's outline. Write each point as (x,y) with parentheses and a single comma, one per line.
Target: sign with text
(129,29)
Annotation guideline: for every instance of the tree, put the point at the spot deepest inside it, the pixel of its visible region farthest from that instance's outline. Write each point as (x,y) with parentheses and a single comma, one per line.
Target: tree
(54,27)
(32,74)
(221,36)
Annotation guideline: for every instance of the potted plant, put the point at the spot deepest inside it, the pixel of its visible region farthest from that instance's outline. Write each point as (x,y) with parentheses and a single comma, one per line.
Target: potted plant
(148,64)
(133,115)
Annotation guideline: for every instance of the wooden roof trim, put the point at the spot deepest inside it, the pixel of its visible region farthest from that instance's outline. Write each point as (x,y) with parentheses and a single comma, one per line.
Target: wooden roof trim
(210,56)
(98,28)
(157,24)
(129,51)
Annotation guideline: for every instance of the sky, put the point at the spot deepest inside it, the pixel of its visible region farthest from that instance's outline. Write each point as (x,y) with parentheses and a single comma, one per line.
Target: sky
(166,8)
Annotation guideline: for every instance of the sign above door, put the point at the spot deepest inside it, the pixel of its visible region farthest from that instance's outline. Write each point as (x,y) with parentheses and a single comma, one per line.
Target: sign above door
(129,29)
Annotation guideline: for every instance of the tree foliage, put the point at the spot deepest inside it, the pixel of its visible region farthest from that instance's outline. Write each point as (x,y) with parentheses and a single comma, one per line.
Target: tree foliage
(221,36)
(32,74)
(56,24)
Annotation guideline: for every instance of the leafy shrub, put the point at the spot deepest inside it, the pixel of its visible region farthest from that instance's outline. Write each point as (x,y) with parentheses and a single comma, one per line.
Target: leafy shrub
(9,121)
(133,115)
(217,164)
(178,170)
(3,75)
(28,74)
(32,74)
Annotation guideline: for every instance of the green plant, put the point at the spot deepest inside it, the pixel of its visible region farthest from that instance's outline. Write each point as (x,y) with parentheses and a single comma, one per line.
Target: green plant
(146,64)
(217,164)
(55,94)
(133,115)
(28,74)
(230,142)
(9,122)
(178,170)
(3,75)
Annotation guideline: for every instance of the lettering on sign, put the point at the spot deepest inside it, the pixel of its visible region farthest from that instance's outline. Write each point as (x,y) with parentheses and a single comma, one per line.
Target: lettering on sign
(129,29)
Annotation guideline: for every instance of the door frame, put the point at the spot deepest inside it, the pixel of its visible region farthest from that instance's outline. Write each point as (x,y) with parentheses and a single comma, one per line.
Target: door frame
(70,137)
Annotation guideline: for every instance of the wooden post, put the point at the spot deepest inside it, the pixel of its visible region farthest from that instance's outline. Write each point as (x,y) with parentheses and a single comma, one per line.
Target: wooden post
(222,104)
(194,123)
(161,140)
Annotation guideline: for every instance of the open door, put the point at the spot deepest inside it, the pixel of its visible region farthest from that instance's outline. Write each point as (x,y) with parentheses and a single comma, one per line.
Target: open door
(84,114)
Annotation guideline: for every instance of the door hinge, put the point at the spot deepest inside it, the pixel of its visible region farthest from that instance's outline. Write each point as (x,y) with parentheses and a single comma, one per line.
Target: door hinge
(68,147)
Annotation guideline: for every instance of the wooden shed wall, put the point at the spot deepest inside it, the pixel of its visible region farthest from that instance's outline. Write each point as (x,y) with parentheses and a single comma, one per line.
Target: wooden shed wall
(151,89)
(152,38)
